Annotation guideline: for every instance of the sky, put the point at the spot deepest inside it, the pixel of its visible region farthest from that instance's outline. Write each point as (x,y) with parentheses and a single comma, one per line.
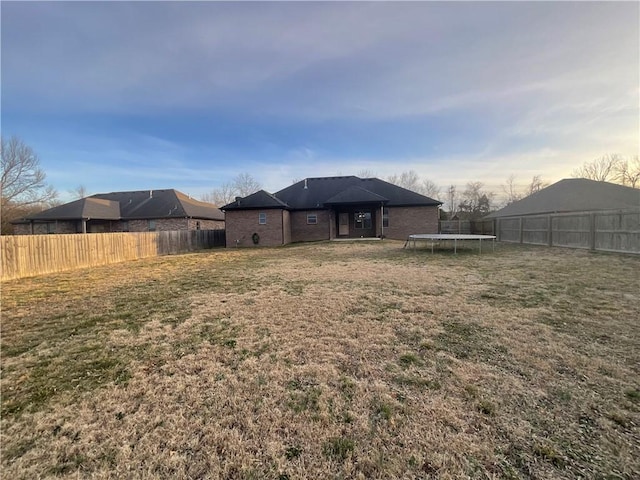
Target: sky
(121,96)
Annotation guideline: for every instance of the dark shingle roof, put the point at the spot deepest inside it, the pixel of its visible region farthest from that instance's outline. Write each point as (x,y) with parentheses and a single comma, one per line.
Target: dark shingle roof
(321,192)
(132,205)
(573,195)
(83,208)
(260,199)
(355,195)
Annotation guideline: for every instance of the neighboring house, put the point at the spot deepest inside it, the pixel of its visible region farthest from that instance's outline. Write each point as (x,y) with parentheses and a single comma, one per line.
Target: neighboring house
(328,208)
(138,211)
(573,195)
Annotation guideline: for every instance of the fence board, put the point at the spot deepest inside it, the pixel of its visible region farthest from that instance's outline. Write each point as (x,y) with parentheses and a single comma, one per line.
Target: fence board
(29,255)
(535,230)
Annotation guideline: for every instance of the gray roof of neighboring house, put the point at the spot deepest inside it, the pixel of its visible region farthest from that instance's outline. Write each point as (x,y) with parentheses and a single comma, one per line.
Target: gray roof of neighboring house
(131,206)
(84,208)
(314,193)
(573,195)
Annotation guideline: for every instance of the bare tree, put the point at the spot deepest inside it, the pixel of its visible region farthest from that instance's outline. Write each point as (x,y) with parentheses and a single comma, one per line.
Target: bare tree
(23,186)
(628,172)
(395,179)
(602,169)
(430,189)
(409,180)
(510,189)
(245,184)
(365,173)
(513,192)
(79,192)
(220,196)
(536,185)
(241,186)
(476,202)
(452,201)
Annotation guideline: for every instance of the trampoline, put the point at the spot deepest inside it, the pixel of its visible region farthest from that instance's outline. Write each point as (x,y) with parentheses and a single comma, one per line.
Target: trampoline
(435,238)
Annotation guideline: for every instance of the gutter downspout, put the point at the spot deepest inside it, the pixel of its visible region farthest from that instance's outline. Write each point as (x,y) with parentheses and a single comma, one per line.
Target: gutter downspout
(381,221)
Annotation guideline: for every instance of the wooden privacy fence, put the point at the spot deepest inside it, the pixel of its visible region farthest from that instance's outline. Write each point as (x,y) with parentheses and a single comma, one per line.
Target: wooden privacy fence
(29,255)
(474,227)
(608,231)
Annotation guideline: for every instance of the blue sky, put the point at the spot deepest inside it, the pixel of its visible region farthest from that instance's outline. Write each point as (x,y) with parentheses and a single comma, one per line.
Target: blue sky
(186,95)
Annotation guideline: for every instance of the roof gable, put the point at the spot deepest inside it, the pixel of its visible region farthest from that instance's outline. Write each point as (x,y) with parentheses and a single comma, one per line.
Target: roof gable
(574,195)
(259,199)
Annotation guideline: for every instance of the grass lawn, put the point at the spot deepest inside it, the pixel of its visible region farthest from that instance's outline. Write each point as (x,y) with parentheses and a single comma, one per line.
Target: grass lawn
(329,360)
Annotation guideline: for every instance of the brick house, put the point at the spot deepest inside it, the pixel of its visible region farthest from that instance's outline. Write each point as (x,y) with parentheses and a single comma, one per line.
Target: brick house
(327,208)
(137,211)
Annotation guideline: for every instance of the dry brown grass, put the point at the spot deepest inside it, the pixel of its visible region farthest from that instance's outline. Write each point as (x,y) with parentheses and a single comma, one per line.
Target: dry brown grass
(350,360)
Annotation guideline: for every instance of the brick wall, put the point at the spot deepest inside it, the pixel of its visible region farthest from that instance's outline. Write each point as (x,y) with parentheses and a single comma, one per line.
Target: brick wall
(75,226)
(166,224)
(205,224)
(45,228)
(404,221)
(242,224)
(301,231)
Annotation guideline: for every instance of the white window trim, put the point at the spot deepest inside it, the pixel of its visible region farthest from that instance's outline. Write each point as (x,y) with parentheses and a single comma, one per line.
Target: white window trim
(315,217)
(262,218)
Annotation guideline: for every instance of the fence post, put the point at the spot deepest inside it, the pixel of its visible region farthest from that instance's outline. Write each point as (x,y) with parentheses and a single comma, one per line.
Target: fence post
(520,228)
(549,230)
(592,231)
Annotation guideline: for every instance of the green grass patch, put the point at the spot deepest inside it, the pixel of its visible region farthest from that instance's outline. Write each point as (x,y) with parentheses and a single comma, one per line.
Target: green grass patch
(339,448)
(86,369)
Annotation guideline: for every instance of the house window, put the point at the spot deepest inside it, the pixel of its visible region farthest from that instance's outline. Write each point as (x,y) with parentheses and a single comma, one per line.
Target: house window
(125,226)
(312,219)
(262,218)
(51,228)
(152,225)
(197,225)
(362,220)
(385,217)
